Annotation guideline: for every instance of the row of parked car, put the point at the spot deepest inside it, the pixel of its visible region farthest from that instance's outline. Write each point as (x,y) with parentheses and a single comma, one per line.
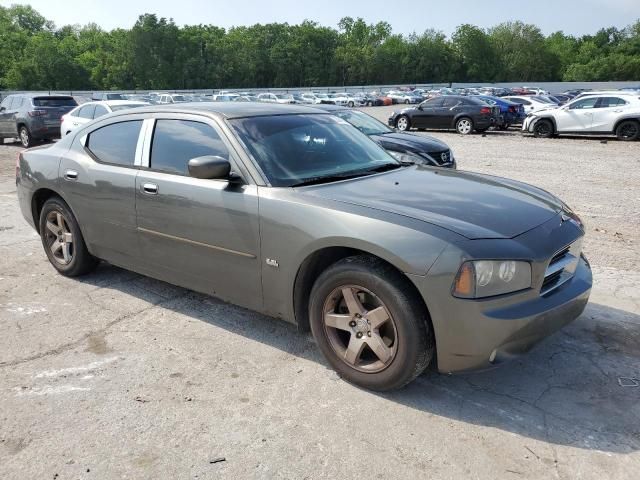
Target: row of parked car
(33,117)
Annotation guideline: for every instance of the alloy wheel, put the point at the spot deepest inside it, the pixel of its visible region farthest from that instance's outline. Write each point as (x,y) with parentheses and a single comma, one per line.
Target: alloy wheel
(402,123)
(543,129)
(58,238)
(464,126)
(629,130)
(360,328)
(24,137)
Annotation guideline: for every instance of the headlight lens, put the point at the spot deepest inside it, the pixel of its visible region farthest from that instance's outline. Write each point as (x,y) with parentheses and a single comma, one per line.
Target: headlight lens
(406,157)
(486,278)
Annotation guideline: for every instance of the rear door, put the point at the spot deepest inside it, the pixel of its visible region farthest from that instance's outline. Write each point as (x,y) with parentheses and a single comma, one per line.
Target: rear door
(198,233)
(7,118)
(451,106)
(607,112)
(98,179)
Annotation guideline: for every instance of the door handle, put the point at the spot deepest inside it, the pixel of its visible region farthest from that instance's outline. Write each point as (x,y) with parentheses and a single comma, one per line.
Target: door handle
(150,188)
(71,175)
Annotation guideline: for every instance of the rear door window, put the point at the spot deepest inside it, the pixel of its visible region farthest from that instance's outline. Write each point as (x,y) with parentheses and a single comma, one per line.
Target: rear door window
(100,111)
(86,112)
(115,143)
(175,142)
(450,102)
(607,102)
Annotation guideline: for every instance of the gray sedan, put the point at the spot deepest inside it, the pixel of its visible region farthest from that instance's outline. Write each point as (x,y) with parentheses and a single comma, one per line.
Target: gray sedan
(298,215)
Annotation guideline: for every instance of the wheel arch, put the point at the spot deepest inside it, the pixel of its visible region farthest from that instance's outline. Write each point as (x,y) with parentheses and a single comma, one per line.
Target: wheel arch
(322,258)
(626,119)
(38,199)
(459,116)
(550,118)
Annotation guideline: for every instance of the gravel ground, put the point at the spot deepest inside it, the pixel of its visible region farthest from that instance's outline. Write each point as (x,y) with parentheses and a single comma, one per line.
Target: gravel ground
(116,375)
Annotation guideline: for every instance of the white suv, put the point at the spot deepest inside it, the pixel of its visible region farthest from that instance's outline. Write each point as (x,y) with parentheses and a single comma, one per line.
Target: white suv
(611,113)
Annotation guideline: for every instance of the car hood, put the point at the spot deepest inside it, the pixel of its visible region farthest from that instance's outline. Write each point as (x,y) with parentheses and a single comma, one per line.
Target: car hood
(409,142)
(473,205)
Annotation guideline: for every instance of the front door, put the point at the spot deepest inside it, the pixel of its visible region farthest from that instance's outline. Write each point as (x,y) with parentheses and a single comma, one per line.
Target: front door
(198,233)
(7,118)
(577,116)
(425,115)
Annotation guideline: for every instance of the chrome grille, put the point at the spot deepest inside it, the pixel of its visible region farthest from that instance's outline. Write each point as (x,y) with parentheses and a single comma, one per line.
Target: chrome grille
(562,267)
(441,157)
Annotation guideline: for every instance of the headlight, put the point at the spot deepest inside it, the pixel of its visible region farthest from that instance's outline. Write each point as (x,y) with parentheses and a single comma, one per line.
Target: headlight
(406,157)
(486,278)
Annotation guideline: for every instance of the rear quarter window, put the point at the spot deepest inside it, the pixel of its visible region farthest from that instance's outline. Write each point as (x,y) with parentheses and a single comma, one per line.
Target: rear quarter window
(115,143)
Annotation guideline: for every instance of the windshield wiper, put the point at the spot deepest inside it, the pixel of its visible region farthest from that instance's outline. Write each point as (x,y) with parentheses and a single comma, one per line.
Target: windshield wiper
(345,176)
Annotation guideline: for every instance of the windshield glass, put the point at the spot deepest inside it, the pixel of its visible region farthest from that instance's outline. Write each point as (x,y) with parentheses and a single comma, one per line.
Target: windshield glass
(363,122)
(292,149)
(54,102)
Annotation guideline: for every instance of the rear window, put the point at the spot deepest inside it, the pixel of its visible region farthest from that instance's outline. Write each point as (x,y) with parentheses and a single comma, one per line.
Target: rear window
(115,143)
(54,102)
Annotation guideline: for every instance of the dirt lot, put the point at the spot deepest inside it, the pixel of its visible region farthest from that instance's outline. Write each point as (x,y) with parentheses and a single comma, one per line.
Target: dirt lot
(119,376)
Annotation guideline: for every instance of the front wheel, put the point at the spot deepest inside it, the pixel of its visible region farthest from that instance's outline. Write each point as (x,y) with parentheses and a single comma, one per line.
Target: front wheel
(403,123)
(628,130)
(543,129)
(369,326)
(62,240)
(350,104)
(464,126)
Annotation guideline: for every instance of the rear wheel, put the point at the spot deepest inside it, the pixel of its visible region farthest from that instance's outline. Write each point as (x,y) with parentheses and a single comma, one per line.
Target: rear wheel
(504,126)
(62,240)
(543,129)
(464,126)
(350,104)
(403,123)
(369,103)
(368,325)
(628,130)
(406,102)
(25,136)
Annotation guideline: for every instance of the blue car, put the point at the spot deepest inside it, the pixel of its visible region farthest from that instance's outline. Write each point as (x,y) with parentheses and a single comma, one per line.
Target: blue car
(511,113)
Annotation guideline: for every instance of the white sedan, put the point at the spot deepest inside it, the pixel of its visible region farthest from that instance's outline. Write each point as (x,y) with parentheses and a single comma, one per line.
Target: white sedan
(90,110)
(617,114)
(532,103)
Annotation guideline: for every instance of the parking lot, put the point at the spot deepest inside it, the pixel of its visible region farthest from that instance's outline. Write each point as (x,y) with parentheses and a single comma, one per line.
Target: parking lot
(115,375)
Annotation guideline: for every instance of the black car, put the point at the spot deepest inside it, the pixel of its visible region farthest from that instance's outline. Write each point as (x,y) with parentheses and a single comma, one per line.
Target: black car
(405,147)
(32,117)
(447,112)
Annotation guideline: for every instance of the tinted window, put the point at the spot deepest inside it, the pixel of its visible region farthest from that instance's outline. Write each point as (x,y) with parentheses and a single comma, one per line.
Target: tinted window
(583,104)
(7,102)
(521,101)
(175,142)
(450,102)
(434,102)
(363,122)
(54,102)
(607,102)
(115,143)
(86,111)
(100,111)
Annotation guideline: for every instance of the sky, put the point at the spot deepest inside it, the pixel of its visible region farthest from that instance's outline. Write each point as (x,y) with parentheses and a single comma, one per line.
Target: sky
(575,17)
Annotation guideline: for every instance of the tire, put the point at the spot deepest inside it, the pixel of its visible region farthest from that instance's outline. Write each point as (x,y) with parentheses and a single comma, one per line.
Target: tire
(369,103)
(482,130)
(25,136)
(504,126)
(628,130)
(403,123)
(543,129)
(407,102)
(62,240)
(350,104)
(378,294)
(464,126)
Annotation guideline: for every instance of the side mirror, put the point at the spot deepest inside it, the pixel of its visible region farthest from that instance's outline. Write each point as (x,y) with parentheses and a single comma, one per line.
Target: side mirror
(209,167)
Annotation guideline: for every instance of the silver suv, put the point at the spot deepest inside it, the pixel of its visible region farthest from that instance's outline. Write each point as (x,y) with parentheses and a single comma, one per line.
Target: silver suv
(32,117)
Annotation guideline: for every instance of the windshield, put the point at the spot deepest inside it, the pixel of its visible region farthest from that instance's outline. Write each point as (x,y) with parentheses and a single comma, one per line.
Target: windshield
(54,102)
(293,149)
(179,98)
(363,122)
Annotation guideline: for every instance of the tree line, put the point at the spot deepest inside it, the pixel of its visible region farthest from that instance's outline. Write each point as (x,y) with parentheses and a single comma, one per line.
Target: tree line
(157,54)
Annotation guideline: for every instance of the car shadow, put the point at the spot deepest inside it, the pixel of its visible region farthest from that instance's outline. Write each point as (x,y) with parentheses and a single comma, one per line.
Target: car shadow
(580,387)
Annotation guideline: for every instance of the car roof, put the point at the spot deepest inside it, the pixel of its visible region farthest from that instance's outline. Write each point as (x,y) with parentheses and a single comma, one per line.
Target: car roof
(114,102)
(228,109)
(329,107)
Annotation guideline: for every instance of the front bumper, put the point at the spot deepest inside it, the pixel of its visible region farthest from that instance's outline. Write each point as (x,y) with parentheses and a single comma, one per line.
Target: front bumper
(474,334)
